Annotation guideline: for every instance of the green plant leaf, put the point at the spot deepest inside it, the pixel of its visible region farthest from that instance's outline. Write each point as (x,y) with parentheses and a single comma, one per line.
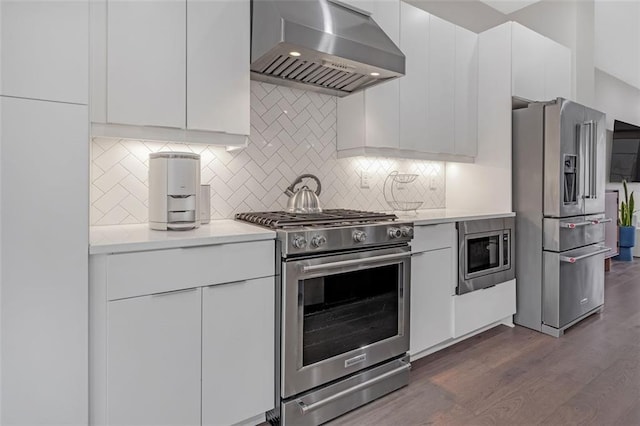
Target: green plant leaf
(626,194)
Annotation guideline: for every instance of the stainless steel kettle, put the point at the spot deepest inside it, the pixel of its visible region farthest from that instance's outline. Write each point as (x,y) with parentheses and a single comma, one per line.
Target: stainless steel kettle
(304,200)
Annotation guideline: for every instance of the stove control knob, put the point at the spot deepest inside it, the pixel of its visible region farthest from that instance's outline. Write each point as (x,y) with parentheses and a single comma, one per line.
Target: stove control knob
(359,236)
(407,231)
(318,240)
(299,241)
(395,233)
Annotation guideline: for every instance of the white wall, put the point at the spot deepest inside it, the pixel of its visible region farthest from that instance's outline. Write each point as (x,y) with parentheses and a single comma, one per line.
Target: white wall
(617,39)
(621,102)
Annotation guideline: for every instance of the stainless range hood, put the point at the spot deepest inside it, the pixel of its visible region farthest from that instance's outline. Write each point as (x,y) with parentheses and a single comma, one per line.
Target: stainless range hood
(321,45)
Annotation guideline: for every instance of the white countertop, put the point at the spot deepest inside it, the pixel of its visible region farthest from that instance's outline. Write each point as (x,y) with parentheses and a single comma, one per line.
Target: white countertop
(138,237)
(435,216)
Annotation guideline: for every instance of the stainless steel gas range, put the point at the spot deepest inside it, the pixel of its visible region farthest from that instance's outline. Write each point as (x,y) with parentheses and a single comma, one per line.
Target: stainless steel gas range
(342,314)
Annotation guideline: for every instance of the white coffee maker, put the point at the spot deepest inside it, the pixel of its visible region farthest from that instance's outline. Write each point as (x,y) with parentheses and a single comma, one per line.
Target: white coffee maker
(174,190)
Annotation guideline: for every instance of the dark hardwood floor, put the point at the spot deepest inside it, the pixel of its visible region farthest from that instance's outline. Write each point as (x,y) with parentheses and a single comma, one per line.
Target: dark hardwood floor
(515,376)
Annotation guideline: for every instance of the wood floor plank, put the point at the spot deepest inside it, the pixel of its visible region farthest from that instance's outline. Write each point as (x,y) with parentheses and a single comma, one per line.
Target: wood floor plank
(516,376)
(606,398)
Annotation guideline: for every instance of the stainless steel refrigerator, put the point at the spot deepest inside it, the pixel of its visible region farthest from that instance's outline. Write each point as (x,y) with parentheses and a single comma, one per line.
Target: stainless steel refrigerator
(558,195)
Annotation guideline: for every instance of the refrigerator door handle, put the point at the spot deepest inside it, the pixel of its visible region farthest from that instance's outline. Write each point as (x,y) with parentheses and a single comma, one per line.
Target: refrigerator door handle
(583,152)
(593,145)
(588,157)
(569,259)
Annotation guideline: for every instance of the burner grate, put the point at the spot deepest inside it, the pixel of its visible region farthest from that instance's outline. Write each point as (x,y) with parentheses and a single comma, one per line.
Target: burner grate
(276,220)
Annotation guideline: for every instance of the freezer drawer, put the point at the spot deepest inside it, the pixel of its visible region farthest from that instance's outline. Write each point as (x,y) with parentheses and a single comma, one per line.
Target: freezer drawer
(570,233)
(573,284)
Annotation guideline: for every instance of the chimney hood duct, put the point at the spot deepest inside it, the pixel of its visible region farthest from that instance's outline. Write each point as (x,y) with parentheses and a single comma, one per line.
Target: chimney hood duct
(320,45)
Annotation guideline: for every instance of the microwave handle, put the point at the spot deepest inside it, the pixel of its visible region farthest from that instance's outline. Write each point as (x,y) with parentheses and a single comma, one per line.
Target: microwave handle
(505,249)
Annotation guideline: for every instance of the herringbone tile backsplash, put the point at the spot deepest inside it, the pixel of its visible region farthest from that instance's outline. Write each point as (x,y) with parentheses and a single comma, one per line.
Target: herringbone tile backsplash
(292,132)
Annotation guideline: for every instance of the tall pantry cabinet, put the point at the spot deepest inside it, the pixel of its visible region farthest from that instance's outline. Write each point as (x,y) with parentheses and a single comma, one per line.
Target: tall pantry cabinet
(44,186)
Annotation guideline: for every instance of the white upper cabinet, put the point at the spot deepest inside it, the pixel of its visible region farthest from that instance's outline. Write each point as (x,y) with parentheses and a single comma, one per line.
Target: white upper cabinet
(429,113)
(381,102)
(466,93)
(441,78)
(175,70)
(541,68)
(45,50)
(370,119)
(557,71)
(414,90)
(218,66)
(146,63)
(528,52)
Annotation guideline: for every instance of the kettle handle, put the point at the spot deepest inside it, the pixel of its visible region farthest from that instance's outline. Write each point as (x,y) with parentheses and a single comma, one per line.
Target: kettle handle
(289,190)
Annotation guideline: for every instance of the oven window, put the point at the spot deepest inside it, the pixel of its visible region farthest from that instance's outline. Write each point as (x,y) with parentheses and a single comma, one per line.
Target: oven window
(483,253)
(347,311)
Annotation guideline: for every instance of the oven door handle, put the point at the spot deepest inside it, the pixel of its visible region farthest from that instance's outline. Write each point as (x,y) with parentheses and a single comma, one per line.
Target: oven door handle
(343,263)
(305,408)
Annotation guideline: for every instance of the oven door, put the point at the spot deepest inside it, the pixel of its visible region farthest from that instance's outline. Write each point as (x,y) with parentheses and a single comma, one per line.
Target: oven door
(342,313)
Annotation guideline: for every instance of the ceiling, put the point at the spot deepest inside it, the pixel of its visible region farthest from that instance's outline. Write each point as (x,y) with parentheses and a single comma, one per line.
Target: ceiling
(509,6)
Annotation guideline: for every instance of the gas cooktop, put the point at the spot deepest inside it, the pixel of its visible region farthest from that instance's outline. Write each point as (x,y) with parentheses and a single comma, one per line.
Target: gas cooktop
(331,230)
(328,218)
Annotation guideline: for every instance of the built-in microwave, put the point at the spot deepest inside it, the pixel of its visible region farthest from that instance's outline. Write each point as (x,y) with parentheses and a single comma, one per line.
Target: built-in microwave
(485,253)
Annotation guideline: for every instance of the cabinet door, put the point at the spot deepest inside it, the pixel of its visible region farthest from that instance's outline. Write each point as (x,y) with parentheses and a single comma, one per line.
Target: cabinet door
(528,59)
(382,115)
(45,50)
(153,359)
(466,93)
(217,69)
(146,62)
(557,71)
(238,334)
(45,153)
(431,303)
(414,36)
(441,78)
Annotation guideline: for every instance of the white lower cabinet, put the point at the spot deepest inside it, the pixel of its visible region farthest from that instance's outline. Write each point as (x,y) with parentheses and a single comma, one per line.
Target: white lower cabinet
(153,359)
(237,350)
(480,308)
(431,308)
(187,353)
(440,317)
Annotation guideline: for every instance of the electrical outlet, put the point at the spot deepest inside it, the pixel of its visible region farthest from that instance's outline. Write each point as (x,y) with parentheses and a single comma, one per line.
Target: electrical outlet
(433,183)
(364,179)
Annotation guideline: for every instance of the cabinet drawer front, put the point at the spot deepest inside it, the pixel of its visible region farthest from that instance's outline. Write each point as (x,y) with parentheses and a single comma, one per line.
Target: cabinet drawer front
(137,274)
(433,237)
(480,308)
